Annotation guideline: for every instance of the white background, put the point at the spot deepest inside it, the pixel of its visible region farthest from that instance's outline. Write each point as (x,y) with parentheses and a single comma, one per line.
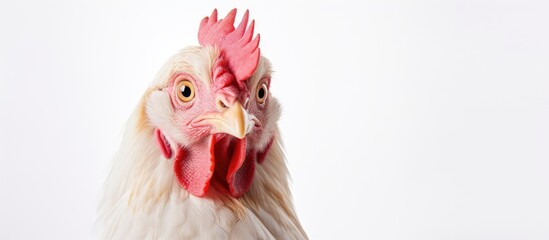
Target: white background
(425,120)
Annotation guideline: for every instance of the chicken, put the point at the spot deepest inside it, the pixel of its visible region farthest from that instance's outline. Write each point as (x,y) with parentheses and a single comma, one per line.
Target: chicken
(201,156)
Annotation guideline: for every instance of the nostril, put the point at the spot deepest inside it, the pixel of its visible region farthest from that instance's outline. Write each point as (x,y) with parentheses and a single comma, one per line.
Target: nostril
(221,105)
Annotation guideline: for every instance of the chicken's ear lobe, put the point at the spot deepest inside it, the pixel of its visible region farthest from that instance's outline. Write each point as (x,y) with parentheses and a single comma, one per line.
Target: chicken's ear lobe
(261,155)
(163,144)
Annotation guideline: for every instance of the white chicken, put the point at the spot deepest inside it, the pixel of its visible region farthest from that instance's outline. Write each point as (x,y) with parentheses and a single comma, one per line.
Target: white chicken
(201,157)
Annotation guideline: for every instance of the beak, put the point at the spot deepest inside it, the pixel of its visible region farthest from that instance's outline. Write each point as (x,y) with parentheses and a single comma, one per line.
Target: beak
(234,120)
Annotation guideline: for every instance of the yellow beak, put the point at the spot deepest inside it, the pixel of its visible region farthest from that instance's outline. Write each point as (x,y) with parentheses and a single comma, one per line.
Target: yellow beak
(233,120)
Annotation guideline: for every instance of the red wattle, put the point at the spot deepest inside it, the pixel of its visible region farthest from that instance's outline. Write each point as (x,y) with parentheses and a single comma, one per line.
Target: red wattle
(194,167)
(241,170)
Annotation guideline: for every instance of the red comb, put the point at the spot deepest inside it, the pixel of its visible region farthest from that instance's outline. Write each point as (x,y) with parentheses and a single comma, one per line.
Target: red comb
(237,46)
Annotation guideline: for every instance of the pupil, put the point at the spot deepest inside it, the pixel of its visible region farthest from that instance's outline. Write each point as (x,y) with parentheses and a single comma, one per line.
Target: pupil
(261,93)
(185,91)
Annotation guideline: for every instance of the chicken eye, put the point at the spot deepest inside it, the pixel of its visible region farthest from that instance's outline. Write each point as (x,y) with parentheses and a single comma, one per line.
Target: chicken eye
(186,91)
(261,93)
